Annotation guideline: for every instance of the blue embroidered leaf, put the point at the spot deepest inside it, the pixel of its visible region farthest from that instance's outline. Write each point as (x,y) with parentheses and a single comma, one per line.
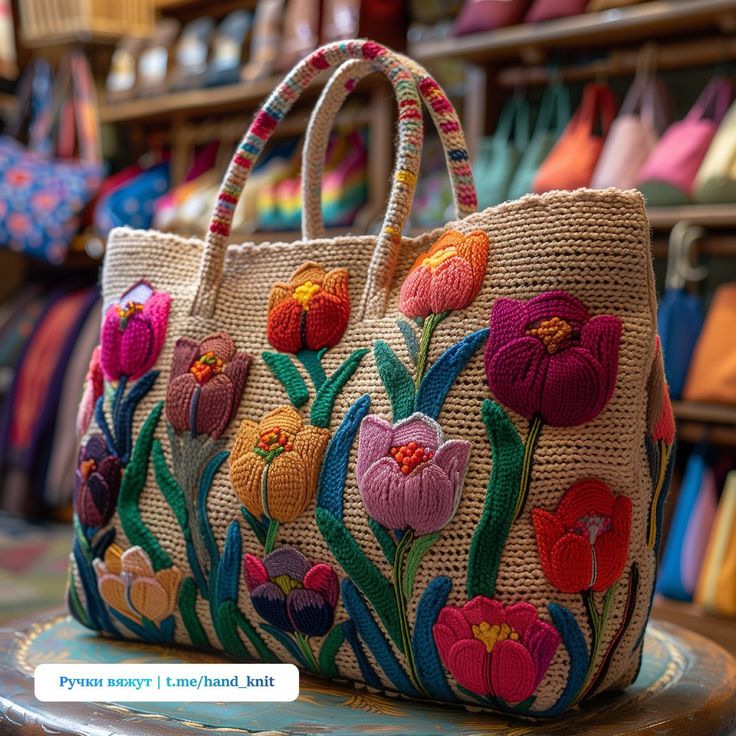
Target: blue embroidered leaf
(140,631)
(335,464)
(366,668)
(128,406)
(396,380)
(287,374)
(428,664)
(95,605)
(324,401)
(205,483)
(117,404)
(388,546)
(375,640)
(101,420)
(287,643)
(442,375)
(167,630)
(75,604)
(229,574)
(100,545)
(410,338)
(499,507)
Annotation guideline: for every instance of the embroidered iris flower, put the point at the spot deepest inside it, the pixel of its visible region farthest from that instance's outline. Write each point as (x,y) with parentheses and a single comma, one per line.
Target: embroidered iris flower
(97,482)
(128,584)
(548,357)
(408,475)
(206,384)
(495,650)
(275,464)
(447,277)
(292,594)
(93,389)
(584,544)
(133,332)
(309,312)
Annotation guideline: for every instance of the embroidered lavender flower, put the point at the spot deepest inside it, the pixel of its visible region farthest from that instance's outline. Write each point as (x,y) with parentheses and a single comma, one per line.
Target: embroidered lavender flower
(97,483)
(408,475)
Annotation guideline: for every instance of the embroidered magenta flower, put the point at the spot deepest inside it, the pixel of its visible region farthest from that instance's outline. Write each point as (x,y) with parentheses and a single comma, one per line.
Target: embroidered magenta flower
(97,482)
(447,277)
(408,475)
(495,650)
(292,594)
(133,332)
(206,384)
(584,544)
(660,419)
(93,388)
(548,357)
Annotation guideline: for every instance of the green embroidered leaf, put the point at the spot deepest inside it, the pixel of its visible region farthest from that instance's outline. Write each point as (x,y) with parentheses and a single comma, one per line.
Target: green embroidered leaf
(75,604)
(420,548)
(490,535)
(324,401)
(188,610)
(396,380)
(410,338)
(312,362)
(131,487)
(205,483)
(255,525)
(287,374)
(384,539)
(226,626)
(265,654)
(328,652)
(287,643)
(360,570)
(228,577)
(169,487)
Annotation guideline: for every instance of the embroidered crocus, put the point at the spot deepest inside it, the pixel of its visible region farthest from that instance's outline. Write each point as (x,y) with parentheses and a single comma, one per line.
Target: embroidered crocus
(275,464)
(548,358)
(97,482)
(584,544)
(128,583)
(206,384)
(447,277)
(495,650)
(408,475)
(311,311)
(292,594)
(133,332)
(93,388)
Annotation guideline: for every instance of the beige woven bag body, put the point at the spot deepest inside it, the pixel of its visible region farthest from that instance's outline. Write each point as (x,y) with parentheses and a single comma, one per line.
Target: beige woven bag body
(435,465)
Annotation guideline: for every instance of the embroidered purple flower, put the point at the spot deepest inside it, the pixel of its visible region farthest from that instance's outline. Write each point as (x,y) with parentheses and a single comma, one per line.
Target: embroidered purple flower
(290,593)
(548,357)
(133,332)
(408,475)
(206,384)
(97,482)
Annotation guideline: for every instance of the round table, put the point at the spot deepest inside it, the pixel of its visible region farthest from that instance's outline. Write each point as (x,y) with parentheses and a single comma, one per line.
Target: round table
(687,685)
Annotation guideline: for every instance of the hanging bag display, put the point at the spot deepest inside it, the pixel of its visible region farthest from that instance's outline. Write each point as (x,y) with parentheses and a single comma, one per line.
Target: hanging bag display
(361,454)
(715,182)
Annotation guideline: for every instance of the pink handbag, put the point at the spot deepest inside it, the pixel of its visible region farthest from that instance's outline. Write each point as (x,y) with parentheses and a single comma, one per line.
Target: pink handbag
(477,16)
(668,174)
(551,9)
(633,135)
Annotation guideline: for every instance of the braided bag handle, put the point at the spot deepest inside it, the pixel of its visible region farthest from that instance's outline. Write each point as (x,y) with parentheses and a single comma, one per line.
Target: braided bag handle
(333,96)
(410,136)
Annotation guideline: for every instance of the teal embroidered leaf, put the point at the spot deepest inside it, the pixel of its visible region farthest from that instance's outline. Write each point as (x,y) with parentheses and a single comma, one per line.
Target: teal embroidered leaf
(420,548)
(396,380)
(490,535)
(244,625)
(170,488)
(75,604)
(384,539)
(328,392)
(131,487)
(287,643)
(312,362)
(410,338)
(442,375)
(254,524)
(287,374)
(188,610)
(367,671)
(228,620)
(328,652)
(228,577)
(205,483)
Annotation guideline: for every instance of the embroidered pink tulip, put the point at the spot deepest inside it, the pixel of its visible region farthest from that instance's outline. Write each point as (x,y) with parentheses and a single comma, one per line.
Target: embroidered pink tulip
(660,419)
(206,384)
(409,476)
(133,332)
(495,650)
(93,388)
(548,357)
(97,482)
(584,544)
(447,277)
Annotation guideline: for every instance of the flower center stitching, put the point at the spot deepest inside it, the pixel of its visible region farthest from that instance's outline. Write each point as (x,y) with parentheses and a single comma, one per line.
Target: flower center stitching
(440,257)
(206,366)
(127,311)
(272,443)
(555,333)
(410,455)
(286,583)
(491,635)
(86,468)
(592,526)
(306,292)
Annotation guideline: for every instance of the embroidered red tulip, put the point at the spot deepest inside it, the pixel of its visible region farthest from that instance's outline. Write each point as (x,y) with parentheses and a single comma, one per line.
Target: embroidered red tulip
(409,476)
(133,332)
(93,389)
(97,482)
(584,543)
(206,384)
(496,651)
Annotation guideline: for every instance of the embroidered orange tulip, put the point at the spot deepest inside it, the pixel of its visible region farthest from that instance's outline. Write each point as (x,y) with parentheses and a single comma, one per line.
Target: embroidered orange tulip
(275,464)
(311,311)
(447,277)
(128,584)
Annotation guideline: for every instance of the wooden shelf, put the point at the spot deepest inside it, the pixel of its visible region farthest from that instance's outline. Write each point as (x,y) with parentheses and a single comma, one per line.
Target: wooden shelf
(706,413)
(719,629)
(620,26)
(707,215)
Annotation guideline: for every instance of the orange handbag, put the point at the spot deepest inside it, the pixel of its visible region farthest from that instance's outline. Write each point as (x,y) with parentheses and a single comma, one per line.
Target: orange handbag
(571,163)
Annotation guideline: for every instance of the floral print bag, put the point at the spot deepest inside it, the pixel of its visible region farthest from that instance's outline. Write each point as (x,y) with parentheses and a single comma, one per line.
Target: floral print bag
(435,466)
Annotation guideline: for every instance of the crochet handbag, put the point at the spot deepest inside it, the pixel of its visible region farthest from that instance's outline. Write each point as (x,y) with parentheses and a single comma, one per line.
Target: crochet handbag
(431,465)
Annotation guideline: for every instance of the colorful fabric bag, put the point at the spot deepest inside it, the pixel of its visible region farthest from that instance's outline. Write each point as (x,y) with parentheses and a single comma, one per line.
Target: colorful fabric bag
(716,179)
(361,454)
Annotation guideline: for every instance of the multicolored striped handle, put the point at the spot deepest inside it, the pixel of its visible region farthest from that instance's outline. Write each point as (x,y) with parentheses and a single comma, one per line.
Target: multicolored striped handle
(410,136)
(443,114)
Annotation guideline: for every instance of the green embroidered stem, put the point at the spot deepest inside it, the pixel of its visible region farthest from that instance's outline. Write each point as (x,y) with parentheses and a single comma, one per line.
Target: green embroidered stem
(254,524)
(429,326)
(661,475)
(273,530)
(388,546)
(188,610)
(306,650)
(328,652)
(532,437)
(286,373)
(321,412)
(311,360)
(598,626)
(414,559)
